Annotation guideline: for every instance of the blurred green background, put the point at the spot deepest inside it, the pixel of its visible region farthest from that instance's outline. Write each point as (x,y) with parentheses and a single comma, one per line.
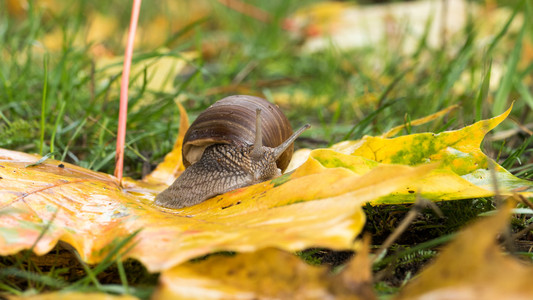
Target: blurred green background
(348,68)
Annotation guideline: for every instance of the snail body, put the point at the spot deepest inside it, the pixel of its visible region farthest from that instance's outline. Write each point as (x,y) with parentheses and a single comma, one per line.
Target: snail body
(236,142)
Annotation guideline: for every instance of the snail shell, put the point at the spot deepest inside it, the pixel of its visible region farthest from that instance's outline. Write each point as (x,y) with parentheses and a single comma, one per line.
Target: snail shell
(232,121)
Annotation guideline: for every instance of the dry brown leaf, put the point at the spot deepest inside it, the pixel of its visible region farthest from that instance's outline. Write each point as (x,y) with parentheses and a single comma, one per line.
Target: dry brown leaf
(473,266)
(73,296)
(265,274)
(356,280)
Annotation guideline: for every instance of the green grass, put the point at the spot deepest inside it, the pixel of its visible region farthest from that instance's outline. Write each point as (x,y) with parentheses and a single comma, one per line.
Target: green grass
(61,102)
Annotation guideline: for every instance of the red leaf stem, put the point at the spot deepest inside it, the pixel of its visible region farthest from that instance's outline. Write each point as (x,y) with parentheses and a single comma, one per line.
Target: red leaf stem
(123,111)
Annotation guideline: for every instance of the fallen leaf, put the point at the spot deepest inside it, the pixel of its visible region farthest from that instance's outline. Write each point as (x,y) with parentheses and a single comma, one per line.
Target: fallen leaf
(19,8)
(155,33)
(394,131)
(401,24)
(396,25)
(89,210)
(161,70)
(473,266)
(265,274)
(299,157)
(299,98)
(356,278)
(73,296)
(347,147)
(464,170)
(101,27)
(16,8)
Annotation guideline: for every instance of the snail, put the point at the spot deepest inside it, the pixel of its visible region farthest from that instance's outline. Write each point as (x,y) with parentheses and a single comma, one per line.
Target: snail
(238,141)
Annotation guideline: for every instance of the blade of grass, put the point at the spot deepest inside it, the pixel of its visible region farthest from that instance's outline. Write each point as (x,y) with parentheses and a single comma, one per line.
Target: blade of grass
(107,158)
(483,92)
(407,122)
(446,125)
(500,100)
(32,276)
(122,273)
(103,161)
(9,289)
(505,28)
(56,125)
(118,247)
(425,245)
(121,133)
(516,154)
(186,29)
(141,293)
(41,235)
(7,86)
(453,73)
(3,117)
(78,130)
(18,269)
(358,129)
(41,160)
(90,274)
(422,43)
(43,103)
(524,92)
(100,147)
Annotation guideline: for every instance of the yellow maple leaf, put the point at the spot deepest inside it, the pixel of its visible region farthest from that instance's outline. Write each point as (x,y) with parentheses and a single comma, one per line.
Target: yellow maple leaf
(53,201)
(89,210)
(464,171)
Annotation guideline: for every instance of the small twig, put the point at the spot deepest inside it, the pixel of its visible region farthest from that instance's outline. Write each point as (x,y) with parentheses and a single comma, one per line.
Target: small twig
(501,135)
(244,72)
(528,203)
(420,204)
(499,202)
(523,127)
(525,201)
(247,9)
(519,234)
